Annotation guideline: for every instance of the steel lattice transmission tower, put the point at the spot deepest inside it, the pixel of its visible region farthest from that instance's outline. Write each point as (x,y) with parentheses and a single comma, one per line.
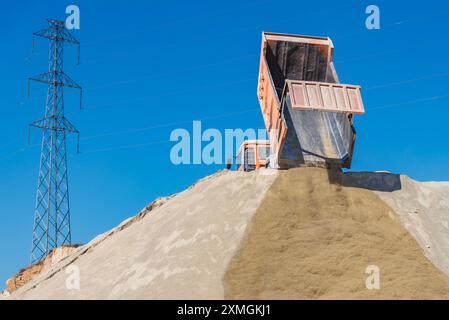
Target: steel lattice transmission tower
(52,212)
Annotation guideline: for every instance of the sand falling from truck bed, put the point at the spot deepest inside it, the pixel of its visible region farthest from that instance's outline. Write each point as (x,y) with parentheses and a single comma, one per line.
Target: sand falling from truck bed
(311,239)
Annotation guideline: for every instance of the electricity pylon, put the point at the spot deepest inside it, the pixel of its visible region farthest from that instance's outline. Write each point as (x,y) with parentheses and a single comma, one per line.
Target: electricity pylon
(52,212)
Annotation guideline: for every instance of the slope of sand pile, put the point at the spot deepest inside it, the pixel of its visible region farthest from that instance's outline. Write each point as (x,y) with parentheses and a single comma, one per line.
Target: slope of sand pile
(179,250)
(302,233)
(314,240)
(26,275)
(423,208)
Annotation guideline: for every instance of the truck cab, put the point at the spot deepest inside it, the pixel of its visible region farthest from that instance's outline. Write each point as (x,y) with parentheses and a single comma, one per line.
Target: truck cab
(253,155)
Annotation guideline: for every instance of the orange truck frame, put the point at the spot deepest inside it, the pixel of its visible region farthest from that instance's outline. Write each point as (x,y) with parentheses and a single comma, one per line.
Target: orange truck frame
(253,155)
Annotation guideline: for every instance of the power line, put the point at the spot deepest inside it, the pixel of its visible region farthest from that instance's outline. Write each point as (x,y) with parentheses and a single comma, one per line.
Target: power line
(397,83)
(202,17)
(427,99)
(161,75)
(137,30)
(219,116)
(11,142)
(12,154)
(249,55)
(232,32)
(405,81)
(177,72)
(395,24)
(369,88)
(132,146)
(376,87)
(167,125)
(171,93)
(434,98)
(375,54)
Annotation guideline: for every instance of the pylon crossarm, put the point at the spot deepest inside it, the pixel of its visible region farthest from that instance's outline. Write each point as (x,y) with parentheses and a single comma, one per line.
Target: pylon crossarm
(55,79)
(57,32)
(63,81)
(55,123)
(68,126)
(69,38)
(68,82)
(45,33)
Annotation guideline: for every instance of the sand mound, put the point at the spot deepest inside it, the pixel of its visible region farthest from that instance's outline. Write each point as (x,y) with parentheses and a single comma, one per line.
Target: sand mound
(314,240)
(178,250)
(302,233)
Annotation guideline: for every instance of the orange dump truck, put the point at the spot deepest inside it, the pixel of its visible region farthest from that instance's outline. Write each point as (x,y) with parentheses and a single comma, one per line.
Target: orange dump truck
(308,114)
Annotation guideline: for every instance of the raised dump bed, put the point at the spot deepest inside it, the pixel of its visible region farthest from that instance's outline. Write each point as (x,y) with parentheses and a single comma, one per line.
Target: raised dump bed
(307,112)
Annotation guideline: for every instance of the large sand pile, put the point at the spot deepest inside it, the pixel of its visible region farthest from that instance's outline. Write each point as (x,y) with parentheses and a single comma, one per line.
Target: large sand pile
(302,233)
(314,240)
(178,250)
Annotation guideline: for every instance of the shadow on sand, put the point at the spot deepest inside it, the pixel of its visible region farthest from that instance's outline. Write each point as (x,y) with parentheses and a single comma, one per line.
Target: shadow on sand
(376,181)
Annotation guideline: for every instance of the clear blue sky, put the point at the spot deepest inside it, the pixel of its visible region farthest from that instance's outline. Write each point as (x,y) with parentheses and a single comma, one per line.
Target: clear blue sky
(148,63)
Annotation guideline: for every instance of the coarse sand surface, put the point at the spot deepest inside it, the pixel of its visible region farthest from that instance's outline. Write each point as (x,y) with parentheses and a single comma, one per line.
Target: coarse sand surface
(312,239)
